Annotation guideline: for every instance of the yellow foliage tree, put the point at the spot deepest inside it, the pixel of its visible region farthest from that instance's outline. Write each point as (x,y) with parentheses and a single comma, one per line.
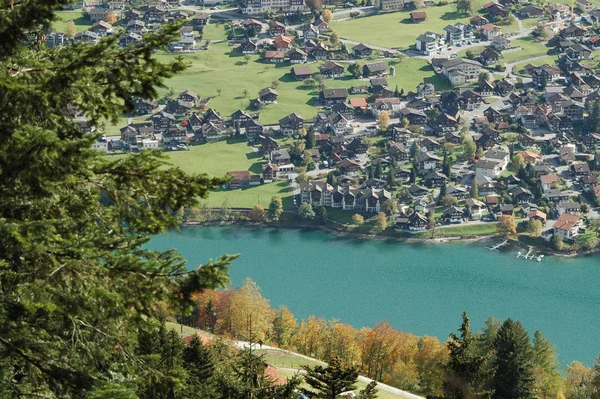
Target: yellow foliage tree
(111,17)
(327,16)
(383,120)
(507,227)
(311,336)
(248,315)
(70,30)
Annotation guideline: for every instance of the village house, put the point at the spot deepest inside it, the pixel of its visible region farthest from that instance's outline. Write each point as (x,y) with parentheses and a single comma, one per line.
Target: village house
(301,72)
(275,57)
(460,70)
(487,168)
(331,96)
(567,226)
(276,28)
(375,69)
(269,172)
(362,51)
(331,69)
(430,43)
(414,222)
(291,124)
(453,215)
(297,56)
(242,179)
(458,34)
(475,208)
(268,96)
(426,162)
(280,157)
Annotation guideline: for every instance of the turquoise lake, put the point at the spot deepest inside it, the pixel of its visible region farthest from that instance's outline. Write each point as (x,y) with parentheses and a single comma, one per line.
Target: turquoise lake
(420,288)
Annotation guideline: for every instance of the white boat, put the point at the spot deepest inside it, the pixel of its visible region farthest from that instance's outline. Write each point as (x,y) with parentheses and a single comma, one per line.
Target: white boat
(519,254)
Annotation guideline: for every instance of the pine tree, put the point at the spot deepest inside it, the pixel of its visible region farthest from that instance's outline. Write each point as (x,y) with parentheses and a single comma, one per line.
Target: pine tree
(74,223)
(513,378)
(466,376)
(310,138)
(593,120)
(443,190)
(474,189)
(391,176)
(331,381)
(378,171)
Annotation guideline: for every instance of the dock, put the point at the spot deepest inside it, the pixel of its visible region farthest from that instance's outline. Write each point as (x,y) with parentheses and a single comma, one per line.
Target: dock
(498,246)
(529,255)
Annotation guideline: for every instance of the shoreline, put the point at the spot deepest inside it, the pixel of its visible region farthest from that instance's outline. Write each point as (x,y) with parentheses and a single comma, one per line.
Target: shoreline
(363,236)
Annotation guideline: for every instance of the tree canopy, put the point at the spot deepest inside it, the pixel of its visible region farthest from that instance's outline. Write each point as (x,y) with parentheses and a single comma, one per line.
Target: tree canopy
(76,282)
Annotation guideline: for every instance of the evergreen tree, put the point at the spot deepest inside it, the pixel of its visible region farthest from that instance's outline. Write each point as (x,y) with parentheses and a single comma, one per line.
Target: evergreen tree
(513,366)
(200,367)
(474,189)
(310,138)
(370,391)
(330,178)
(391,176)
(413,174)
(321,214)
(593,120)
(77,282)
(446,164)
(378,171)
(466,377)
(547,377)
(211,316)
(396,92)
(331,381)
(443,190)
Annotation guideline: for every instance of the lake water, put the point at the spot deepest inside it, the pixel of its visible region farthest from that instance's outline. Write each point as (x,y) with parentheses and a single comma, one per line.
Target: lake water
(418,288)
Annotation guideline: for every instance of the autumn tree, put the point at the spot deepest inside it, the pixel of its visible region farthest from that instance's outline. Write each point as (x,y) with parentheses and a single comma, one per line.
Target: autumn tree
(275,208)
(507,227)
(327,16)
(314,5)
(311,335)
(579,383)
(334,39)
(513,366)
(380,223)
(258,214)
(534,228)
(284,326)
(248,315)
(383,120)
(358,219)
(111,17)
(70,29)
(380,350)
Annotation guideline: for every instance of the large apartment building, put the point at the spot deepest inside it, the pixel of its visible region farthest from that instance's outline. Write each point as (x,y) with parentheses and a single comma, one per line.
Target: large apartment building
(393,5)
(274,6)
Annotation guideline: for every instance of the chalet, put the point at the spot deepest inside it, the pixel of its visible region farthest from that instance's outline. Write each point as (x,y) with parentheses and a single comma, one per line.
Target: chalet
(589,182)
(144,107)
(573,32)
(274,57)
(242,179)
(429,144)
(240,119)
(578,52)
(320,25)
(252,26)
(344,109)
(475,208)
(348,166)
(497,11)
(310,33)
(362,51)
(162,121)
(487,168)
(195,122)
(591,139)
(179,107)
(453,215)
(280,157)
(358,104)
(320,51)
(489,56)
(86,37)
(268,95)
(415,117)
(401,134)
(375,69)
(102,28)
(457,192)
(200,20)
(398,151)
(99,14)
(522,195)
(301,72)
(425,89)
(249,47)
(268,144)
(567,226)
(478,21)
(132,14)
(503,87)
(418,16)
(269,172)
(297,56)
(426,162)
(283,42)
(444,123)
(569,207)
(331,96)
(531,11)
(417,191)
(137,26)
(331,70)
(253,129)
(291,124)
(435,179)
(155,14)
(537,215)
(212,116)
(414,222)
(188,96)
(580,169)
(276,28)
(357,147)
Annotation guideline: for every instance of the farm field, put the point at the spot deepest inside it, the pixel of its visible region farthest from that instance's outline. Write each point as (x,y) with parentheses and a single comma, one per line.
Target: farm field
(395,30)
(76,16)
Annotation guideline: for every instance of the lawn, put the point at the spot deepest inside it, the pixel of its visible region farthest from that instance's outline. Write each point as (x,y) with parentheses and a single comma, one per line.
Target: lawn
(395,30)
(214,32)
(466,230)
(247,198)
(287,360)
(62,17)
(223,67)
(530,22)
(529,48)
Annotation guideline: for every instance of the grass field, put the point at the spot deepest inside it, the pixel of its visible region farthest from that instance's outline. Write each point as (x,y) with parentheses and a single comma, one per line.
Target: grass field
(395,30)
(223,67)
(529,48)
(477,229)
(288,360)
(248,197)
(216,159)
(62,17)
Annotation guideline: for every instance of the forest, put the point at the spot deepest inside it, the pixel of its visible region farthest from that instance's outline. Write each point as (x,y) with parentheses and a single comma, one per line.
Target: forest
(500,360)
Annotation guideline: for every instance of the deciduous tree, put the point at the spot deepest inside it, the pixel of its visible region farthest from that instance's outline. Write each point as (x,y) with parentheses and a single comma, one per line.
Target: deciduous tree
(464,7)
(383,120)
(358,219)
(327,16)
(306,211)
(517,163)
(380,222)
(275,208)
(258,214)
(507,227)
(534,228)
(70,29)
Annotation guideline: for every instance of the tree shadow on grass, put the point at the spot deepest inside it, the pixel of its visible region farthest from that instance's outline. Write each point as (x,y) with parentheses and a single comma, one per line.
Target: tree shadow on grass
(451,15)
(406,21)
(253,155)
(313,102)
(256,168)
